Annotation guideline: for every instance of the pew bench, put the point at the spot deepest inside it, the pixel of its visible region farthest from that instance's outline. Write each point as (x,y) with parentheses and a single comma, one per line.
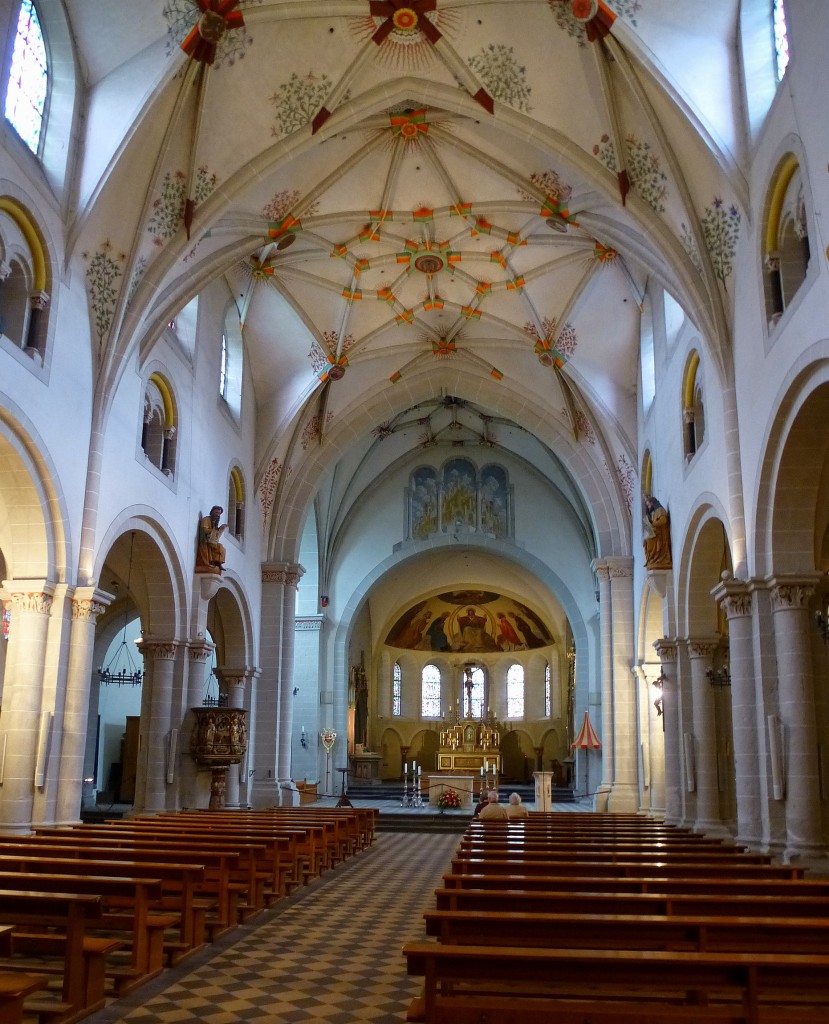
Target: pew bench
(51,931)
(500,984)
(684,929)
(15,987)
(622,868)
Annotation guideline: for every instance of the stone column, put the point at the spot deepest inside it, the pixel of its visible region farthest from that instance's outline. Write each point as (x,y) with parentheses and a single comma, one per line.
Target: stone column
(653,739)
(156,708)
(701,651)
(620,734)
(602,571)
(671,720)
(193,782)
(800,767)
(274,696)
(736,601)
(20,726)
(232,695)
(87,605)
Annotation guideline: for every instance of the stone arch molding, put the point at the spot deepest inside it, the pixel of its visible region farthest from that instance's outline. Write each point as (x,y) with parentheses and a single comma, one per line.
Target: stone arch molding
(546,575)
(707,511)
(164,560)
(609,518)
(36,543)
(790,470)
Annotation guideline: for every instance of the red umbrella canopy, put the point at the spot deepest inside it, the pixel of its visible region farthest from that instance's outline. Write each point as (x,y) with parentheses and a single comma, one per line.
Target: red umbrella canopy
(587,738)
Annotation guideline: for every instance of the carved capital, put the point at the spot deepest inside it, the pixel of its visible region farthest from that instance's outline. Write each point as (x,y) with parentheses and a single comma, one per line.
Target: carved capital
(791,596)
(284,574)
(200,650)
(86,610)
(702,647)
(158,650)
(39,300)
(308,623)
(5,270)
(33,603)
(666,649)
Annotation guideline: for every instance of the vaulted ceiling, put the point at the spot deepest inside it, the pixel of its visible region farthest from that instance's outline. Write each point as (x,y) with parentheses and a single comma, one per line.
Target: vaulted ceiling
(475,193)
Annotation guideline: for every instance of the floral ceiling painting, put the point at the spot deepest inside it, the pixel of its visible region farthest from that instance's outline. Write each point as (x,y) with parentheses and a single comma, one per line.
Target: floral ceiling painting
(469,622)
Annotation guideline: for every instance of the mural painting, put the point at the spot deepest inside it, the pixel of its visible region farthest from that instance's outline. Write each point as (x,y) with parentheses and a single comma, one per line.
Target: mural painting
(469,622)
(424,503)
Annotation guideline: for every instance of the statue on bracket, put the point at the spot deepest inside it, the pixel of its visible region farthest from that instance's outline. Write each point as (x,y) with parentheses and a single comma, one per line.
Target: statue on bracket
(210,552)
(656,535)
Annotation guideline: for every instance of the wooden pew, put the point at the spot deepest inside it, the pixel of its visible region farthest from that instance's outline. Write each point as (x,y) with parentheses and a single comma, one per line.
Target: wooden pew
(234,866)
(602,852)
(502,984)
(54,926)
(807,887)
(677,929)
(135,914)
(14,988)
(629,868)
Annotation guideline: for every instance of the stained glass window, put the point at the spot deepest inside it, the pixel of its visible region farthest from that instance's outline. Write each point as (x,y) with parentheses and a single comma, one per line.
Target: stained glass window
(515,692)
(7,618)
(430,692)
(781,38)
(223,368)
(26,92)
(547,690)
(397,680)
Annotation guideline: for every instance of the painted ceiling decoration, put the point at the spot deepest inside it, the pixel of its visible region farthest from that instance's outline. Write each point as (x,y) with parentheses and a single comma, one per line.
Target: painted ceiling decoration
(469,622)
(476,193)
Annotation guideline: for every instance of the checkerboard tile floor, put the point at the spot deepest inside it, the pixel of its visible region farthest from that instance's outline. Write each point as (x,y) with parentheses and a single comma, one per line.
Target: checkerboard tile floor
(330,954)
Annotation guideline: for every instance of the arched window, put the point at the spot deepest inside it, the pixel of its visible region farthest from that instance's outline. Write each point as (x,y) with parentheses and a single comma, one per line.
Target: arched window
(236,504)
(646,474)
(515,691)
(231,362)
(159,425)
(781,38)
(547,695)
(28,82)
(430,692)
(786,250)
(693,408)
(396,690)
(646,358)
(23,279)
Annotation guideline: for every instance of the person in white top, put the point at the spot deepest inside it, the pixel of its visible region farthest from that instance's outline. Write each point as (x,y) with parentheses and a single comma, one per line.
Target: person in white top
(493,810)
(515,809)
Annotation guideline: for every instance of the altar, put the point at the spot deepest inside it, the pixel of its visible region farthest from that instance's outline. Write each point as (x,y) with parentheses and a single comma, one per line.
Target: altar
(463,785)
(469,744)
(365,767)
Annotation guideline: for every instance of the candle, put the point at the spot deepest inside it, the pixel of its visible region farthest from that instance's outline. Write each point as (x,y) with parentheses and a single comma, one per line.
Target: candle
(406,767)
(482,771)
(418,769)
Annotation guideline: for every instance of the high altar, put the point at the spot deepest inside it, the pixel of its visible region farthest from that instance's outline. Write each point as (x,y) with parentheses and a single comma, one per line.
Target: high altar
(470,744)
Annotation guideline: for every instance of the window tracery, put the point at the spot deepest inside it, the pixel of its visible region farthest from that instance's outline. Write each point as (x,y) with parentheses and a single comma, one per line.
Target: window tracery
(28,80)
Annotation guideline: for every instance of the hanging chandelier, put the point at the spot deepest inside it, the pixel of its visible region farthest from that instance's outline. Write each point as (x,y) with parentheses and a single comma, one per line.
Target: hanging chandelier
(128,673)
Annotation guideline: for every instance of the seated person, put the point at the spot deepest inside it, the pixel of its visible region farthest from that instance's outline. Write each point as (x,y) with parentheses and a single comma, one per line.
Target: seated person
(515,809)
(493,810)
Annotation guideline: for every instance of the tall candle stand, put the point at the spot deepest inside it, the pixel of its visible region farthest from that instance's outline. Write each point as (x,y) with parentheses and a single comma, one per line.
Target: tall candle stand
(413,799)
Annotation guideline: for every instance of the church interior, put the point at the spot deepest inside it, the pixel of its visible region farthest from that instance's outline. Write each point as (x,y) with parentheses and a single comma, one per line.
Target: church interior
(546,506)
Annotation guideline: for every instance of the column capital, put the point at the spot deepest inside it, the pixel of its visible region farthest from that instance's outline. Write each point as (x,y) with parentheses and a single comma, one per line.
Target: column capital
(734,596)
(666,649)
(613,567)
(200,649)
(33,596)
(158,649)
(88,603)
(792,592)
(286,574)
(702,646)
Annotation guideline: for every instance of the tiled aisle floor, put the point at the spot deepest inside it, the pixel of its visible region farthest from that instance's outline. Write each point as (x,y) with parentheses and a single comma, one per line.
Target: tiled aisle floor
(328,955)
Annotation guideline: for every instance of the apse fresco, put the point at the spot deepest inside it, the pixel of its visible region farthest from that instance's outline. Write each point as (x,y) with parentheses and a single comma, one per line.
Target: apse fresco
(469,622)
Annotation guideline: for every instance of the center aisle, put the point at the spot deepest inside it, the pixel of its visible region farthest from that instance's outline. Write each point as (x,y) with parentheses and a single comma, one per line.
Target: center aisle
(330,954)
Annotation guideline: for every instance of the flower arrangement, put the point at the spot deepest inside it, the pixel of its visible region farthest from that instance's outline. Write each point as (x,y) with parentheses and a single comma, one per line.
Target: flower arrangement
(449,799)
